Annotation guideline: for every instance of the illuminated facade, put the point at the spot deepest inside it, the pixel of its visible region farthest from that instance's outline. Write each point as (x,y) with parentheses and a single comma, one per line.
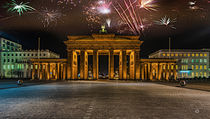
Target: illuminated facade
(191,63)
(15,62)
(126,48)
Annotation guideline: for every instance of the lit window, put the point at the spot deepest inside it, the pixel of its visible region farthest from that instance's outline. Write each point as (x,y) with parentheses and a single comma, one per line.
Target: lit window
(192,66)
(193,74)
(12,66)
(201,55)
(205,74)
(205,55)
(177,67)
(201,74)
(8,66)
(197,60)
(196,74)
(188,55)
(193,55)
(192,60)
(4,67)
(197,55)
(201,67)
(185,55)
(196,66)
(205,67)
(180,54)
(176,55)
(168,55)
(205,60)
(172,55)
(201,60)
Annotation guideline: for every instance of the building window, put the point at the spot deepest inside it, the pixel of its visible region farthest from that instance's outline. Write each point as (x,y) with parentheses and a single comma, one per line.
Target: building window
(176,55)
(196,66)
(201,67)
(168,55)
(4,54)
(32,54)
(193,55)
(172,55)
(196,74)
(16,54)
(4,60)
(24,54)
(205,67)
(20,54)
(192,66)
(8,54)
(205,74)
(201,74)
(12,60)
(193,74)
(201,60)
(201,55)
(205,60)
(8,60)
(188,55)
(197,55)
(197,60)
(185,55)
(205,55)
(177,67)
(28,54)
(192,60)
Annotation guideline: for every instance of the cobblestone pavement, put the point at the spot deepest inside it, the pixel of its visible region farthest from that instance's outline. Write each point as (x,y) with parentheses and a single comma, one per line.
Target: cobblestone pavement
(98,99)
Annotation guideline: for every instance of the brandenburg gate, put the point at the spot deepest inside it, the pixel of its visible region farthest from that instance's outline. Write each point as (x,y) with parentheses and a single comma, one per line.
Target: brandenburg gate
(98,44)
(127,48)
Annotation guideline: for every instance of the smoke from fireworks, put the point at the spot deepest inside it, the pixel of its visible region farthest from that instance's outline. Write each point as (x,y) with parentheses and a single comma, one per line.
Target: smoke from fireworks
(166,21)
(20,8)
(108,21)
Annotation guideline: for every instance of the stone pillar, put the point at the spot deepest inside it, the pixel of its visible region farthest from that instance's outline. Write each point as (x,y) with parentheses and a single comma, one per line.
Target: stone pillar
(33,71)
(137,68)
(160,71)
(86,65)
(74,66)
(146,71)
(132,65)
(82,61)
(149,71)
(69,64)
(142,71)
(48,71)
(111,64)
(124,62)
(120,66)
(167,72)
(95,64)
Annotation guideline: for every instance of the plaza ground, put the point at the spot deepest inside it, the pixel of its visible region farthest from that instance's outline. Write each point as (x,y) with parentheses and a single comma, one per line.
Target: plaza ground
(104,99)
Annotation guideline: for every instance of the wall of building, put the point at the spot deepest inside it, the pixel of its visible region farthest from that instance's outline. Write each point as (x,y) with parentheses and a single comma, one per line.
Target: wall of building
(191,63)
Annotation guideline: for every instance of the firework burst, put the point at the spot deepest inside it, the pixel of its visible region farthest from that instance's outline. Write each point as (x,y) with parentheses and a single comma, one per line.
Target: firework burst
(166,21)
(147,5)
(49,16)
(20,8)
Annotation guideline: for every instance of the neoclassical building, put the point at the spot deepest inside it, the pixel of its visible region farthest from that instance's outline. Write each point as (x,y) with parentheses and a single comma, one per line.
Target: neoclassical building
(126,48)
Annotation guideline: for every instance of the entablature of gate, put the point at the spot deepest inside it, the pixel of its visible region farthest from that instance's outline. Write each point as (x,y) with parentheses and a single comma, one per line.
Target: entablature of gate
(103,42)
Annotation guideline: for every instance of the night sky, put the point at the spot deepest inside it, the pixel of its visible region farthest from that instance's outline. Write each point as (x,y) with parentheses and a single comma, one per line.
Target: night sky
(192,24)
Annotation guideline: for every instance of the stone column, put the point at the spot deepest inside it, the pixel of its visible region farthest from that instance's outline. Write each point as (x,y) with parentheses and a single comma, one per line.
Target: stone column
(137,68)
(69,64)
(82,61)
(160,71)
(33,71)
(111,64)
(120,66)
(167,72)
(142,71)
(95,64)
(74,66)
(86,65)
(132,65)
(124,61)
